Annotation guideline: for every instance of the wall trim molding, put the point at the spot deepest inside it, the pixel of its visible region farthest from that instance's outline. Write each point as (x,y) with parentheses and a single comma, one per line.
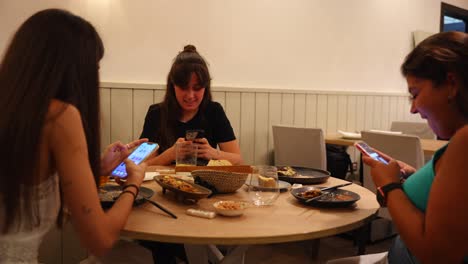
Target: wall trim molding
(148,86)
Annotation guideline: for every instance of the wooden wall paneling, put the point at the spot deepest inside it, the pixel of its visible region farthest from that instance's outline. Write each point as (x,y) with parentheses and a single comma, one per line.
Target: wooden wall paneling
(332,114)
(287,106)
(311,111)
(385,116)
(274,118)
(247,127)
(360,112)
(219,97)
(401,108)
(342,112)
(105,117)
(158,96)
(369,113)
(121,115)
(142,99)
(393,115)
(233,112)
(299,109)
(322,102)
(261,129)
(351,116)
(377,114)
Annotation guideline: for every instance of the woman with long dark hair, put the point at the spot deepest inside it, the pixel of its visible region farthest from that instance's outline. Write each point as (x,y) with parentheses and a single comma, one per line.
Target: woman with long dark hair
(50,138)
(188,105)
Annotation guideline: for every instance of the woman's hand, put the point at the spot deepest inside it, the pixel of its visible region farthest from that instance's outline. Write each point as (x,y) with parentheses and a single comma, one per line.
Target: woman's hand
(205,150)
(135,173)
(381,173)
(115,153)
(405,169)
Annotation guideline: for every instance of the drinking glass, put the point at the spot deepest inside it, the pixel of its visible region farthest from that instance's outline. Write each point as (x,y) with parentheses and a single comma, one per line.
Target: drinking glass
(263,185)
(186,154)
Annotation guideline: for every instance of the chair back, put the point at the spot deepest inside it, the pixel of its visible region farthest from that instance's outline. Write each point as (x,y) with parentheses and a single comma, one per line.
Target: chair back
(298,146)
(420,129)
(406,148)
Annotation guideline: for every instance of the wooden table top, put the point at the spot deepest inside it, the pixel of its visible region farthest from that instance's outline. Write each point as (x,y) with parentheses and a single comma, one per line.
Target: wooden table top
(429,146)
(286,220)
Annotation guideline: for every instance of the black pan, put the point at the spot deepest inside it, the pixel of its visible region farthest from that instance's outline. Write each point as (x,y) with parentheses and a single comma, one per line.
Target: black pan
(112,192)
(305,176)
(332,200)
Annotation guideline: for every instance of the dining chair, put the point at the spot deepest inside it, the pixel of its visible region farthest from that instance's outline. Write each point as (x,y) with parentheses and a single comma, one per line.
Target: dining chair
(299,146)
(406,148)
(420,129)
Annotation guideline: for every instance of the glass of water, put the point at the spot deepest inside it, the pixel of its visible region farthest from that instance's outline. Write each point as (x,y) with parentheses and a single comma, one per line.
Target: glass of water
(263,185)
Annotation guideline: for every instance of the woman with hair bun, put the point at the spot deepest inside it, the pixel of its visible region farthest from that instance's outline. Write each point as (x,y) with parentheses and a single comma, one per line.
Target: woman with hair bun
(188,105)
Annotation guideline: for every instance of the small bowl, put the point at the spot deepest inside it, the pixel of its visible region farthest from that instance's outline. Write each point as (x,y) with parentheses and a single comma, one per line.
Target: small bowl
(230,208)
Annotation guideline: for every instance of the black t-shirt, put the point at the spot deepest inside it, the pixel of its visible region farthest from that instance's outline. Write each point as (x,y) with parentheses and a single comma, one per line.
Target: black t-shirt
(214,122)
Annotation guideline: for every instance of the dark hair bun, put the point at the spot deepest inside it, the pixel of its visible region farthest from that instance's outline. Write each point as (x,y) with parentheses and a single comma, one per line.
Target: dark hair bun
(190,48)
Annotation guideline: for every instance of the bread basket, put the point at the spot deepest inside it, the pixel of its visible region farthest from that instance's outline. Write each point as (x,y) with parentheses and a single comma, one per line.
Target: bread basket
(222,181)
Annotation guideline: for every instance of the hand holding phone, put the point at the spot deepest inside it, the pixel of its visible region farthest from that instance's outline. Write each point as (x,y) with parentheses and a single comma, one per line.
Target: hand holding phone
(368,151)
(141,153)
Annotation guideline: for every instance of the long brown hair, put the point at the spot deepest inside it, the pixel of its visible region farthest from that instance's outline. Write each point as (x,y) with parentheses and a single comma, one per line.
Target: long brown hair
(53,55)
(185,63)
(438,55)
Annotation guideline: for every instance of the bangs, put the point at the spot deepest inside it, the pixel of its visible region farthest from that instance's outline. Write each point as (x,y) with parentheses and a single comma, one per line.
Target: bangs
(182,74)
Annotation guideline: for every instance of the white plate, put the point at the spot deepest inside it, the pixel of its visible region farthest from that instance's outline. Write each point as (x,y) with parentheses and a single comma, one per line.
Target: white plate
(349,135)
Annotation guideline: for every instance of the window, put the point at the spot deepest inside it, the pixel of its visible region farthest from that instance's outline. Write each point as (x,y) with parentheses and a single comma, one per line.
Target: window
(453,18)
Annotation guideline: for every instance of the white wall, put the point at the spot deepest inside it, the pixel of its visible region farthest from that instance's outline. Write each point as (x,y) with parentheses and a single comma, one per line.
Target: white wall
(348,45)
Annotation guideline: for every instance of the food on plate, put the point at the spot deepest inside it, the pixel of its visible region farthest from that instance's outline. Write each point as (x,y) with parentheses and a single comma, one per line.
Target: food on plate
(179,184)
(286,171)
(219,163)
(311,193)
(266,182)
(229,205)
(342,197)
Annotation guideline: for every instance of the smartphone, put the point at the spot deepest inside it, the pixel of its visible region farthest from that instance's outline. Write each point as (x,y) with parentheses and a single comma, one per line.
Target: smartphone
(366,150)
(138,156)
(194,133)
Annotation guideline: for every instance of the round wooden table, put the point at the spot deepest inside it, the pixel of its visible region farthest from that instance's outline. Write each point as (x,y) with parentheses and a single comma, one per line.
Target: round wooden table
(287,220)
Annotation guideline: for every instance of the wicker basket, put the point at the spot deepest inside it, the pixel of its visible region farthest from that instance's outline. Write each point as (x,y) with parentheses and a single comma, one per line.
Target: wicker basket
(223,181)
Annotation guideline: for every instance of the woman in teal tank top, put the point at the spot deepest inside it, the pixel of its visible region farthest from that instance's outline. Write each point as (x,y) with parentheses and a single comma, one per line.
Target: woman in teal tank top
(430,209)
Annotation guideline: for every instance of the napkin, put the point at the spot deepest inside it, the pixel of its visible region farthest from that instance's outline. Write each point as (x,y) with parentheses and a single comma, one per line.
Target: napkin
(150,175)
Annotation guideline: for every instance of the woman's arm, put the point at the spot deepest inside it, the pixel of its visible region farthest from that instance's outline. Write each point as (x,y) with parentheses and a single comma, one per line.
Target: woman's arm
(440,234)
(98,230)
(230,151)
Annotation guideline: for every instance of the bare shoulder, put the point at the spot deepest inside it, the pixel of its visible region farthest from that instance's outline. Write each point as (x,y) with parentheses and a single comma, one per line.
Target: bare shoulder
(61,110)
(460,140)
(63,120)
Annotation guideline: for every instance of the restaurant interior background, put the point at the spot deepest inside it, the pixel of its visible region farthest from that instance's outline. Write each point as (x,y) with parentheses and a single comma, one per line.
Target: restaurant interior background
(331,64)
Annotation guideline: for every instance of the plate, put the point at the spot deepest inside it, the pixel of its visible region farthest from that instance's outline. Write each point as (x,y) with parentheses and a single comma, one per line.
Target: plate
(336,198)
(306,176)
(109,193)
(199,191)
(283,185)
(349,135)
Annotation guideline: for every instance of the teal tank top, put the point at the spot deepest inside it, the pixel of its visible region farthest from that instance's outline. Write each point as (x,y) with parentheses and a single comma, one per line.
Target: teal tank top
(418,185)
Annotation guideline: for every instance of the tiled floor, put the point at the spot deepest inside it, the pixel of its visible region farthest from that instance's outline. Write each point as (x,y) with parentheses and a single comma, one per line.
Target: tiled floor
(298,252)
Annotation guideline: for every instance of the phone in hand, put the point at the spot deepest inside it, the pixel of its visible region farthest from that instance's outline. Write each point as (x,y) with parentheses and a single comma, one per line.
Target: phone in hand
(194,134)
(368,151)
(141,153)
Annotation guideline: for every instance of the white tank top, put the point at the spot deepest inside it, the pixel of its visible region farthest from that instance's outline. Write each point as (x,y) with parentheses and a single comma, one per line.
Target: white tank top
(23,246)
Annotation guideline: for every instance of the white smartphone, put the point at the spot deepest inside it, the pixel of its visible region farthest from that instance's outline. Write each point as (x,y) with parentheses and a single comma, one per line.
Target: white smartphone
(368,151)
(138,156)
